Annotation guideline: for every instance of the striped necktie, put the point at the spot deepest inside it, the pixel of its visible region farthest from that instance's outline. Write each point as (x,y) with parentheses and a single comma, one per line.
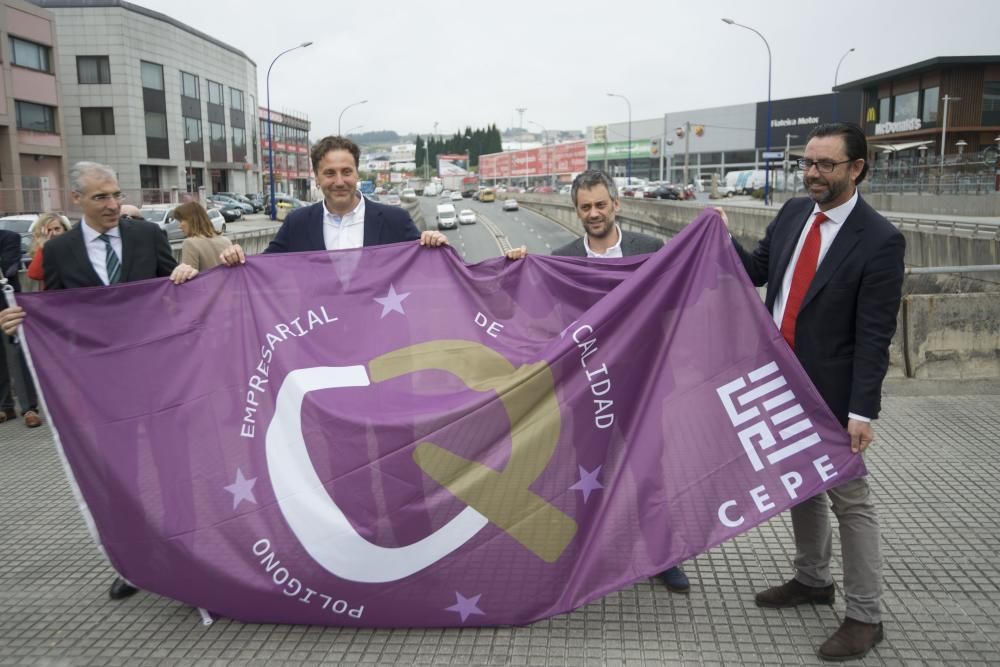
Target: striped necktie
(111,261)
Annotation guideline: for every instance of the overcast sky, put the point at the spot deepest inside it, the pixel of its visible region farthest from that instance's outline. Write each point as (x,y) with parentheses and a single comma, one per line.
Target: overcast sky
(472,63)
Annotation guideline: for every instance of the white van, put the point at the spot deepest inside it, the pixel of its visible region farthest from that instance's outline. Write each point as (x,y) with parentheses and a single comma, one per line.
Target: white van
(446,218)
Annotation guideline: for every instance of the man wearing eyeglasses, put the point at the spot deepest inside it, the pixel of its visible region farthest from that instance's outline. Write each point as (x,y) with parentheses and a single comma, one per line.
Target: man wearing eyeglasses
(834,272)
(104,249)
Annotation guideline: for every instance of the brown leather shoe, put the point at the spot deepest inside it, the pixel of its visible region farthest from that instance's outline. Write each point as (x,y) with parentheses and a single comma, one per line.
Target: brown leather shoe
(852,641)
(31,419)
(794,593)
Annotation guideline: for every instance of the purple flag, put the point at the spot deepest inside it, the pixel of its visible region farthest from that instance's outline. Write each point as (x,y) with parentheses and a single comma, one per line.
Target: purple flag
(390,437)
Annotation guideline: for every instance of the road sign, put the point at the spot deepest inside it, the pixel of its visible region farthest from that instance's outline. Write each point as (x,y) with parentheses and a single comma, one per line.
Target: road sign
(773,155)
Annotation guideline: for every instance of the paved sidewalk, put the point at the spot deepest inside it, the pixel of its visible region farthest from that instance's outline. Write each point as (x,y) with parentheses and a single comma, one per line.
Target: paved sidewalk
(935,467)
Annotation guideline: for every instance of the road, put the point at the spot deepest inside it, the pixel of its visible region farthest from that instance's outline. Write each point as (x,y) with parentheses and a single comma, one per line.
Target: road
(485,239)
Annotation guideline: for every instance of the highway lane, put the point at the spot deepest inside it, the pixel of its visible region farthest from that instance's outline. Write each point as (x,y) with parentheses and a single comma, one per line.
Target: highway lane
(495,227)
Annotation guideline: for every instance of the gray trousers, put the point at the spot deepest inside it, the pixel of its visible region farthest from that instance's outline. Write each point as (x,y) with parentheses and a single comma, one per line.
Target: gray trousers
(17,367)
(859,545)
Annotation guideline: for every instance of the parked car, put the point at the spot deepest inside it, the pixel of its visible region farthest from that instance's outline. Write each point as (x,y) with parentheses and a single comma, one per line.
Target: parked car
(467,217)
(254,207)
(163,216)
(223,201)
(510,204)
(446,217)
(22,225)
(666,192)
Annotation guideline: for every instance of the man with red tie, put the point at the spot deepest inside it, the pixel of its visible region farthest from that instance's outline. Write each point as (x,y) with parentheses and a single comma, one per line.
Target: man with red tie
(834,272)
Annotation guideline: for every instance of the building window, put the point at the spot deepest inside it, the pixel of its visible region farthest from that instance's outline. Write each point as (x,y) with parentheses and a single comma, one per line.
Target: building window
(929,108)
(192,129)
(189,86)
(93,69)
(152,75)
(98,120)
(214,93)
(35,117)
(156,125)
(30,55)
(149,177)
(905,106)
(236,99)
(991,103)
(884,109)
(216,132)
(239,137)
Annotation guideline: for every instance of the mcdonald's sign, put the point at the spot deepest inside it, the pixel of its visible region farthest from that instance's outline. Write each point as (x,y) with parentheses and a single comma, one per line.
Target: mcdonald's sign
(871,115)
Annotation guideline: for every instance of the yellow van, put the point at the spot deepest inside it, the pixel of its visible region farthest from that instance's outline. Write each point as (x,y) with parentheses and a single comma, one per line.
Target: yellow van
(488,195)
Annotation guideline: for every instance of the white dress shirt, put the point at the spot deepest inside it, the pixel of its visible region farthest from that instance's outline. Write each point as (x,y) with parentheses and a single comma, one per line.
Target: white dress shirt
(827,232)
(612,252)
(347,231)
(97,250)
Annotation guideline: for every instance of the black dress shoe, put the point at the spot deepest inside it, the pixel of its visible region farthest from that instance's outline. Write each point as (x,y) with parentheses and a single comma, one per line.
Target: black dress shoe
(852,641)
(794,593)
(121,589)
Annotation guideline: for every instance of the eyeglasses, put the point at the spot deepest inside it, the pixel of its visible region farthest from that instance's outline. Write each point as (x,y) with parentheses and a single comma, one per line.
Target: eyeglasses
(104,197)
(824,166)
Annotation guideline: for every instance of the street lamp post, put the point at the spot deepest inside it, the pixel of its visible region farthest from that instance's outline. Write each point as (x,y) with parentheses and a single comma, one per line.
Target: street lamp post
(944,133)
(189,177)
(836,75)
(767,163)
(352,104)
(628,165)
(270,131)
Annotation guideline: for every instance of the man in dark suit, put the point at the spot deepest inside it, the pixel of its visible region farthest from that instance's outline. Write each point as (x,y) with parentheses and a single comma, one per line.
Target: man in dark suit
(834,273)
(343,219)
(104,249)
(13,369)
(595,197)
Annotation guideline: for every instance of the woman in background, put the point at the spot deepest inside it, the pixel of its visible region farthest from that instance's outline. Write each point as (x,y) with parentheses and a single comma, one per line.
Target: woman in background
(203,245)
(47,226)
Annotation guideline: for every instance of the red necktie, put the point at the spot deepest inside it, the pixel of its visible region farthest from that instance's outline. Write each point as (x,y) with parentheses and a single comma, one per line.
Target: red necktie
(805,269)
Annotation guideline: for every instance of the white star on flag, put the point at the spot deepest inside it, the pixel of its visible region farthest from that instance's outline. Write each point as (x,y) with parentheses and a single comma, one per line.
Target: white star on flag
(242,489)
(392,301)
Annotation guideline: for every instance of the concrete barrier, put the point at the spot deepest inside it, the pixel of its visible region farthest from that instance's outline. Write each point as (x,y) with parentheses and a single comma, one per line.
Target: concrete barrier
(950,336)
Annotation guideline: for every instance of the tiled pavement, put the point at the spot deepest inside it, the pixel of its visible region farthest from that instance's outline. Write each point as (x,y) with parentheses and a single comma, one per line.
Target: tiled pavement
(935,468)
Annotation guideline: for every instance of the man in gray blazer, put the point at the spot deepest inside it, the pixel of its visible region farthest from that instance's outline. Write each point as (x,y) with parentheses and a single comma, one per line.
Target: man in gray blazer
(595,197)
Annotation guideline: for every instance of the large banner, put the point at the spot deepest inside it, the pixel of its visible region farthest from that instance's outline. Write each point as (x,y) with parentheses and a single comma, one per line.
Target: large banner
(568,158)
(390,437)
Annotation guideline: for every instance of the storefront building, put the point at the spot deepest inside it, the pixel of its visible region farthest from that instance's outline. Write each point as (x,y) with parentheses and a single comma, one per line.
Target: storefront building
(910,113)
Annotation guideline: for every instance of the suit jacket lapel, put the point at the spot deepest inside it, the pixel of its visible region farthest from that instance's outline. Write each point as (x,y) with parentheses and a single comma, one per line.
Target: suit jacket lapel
(78,248)
(128,249)
(841,247)
(314,229)
(786,250)
(373,224)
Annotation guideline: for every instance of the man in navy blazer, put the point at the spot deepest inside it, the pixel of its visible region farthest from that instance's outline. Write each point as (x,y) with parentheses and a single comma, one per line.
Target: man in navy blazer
(343,219)
(834,273)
